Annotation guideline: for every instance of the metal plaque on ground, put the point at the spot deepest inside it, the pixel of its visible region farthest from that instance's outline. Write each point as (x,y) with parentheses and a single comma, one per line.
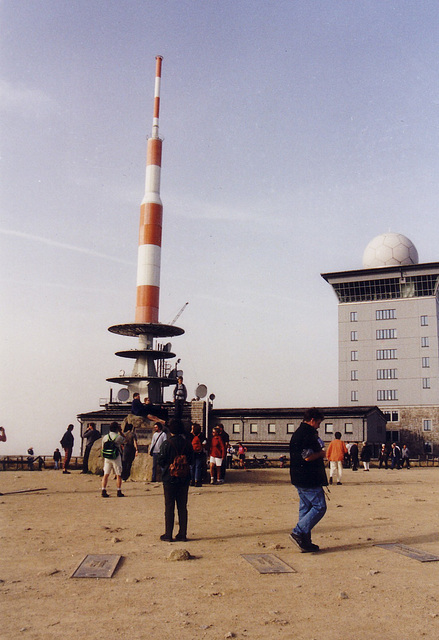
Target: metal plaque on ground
(99,566)
(416,554)
(267,563)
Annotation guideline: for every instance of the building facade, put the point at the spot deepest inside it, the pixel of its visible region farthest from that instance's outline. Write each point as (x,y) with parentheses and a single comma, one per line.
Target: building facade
(388,332)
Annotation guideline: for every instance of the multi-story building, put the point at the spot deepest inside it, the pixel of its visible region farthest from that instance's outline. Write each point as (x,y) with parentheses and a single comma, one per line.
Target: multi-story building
(388,326)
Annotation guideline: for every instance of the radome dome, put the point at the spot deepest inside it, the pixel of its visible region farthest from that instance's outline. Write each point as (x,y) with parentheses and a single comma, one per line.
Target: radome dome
(388,250)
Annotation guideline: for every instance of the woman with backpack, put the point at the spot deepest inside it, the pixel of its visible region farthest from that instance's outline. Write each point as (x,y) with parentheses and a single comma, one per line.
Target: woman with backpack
(111,452)
(175,458)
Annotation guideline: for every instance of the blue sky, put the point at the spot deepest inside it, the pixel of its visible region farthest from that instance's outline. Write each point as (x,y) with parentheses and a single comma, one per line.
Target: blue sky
(294,132)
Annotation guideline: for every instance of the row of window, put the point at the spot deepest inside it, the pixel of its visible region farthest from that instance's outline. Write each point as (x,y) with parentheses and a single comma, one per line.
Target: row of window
(389,394)
(386,314)
(393,416)
(271,427)
(389,374)
(391,354)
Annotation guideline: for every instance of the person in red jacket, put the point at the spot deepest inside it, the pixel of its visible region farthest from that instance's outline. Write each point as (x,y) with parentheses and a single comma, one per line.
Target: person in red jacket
(335,454)
(217,453)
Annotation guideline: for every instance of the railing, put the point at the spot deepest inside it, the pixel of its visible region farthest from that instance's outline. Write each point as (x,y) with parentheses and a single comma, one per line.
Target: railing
(22,462)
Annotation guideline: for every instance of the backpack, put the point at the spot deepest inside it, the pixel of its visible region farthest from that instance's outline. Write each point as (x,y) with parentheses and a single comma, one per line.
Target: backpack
(179,467)
(110,450)
(196,444)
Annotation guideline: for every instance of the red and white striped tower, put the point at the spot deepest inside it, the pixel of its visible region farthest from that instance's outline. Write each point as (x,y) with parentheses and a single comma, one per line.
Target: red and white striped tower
(151,213)
(145,379)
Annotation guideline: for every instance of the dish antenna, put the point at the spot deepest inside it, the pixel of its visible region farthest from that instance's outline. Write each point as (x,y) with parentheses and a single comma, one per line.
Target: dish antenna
(201,391)
(123,395)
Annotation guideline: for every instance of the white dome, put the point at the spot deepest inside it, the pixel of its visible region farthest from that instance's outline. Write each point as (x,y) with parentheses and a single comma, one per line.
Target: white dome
(388,250)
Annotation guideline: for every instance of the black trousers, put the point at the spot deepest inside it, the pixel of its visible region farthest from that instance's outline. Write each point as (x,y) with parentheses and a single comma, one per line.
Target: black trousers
(176,494)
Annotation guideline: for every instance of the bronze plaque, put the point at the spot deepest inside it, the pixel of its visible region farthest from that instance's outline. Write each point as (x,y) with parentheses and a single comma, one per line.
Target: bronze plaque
(98,566)
(267,563)
(416,554)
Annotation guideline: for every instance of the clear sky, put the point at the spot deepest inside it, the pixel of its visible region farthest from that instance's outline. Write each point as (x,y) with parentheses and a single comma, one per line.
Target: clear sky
(294,132)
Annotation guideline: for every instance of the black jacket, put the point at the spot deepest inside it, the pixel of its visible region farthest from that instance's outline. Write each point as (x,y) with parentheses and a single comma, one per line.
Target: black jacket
(172,447)
(305,474)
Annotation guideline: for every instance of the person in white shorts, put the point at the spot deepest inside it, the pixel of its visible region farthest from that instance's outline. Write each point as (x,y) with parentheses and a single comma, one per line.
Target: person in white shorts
(111,452)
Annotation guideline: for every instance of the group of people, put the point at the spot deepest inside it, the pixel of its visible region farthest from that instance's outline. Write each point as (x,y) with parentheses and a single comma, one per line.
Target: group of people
(397,456)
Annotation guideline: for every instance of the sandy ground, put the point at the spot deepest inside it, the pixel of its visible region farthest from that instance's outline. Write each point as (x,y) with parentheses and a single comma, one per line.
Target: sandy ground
(350,590)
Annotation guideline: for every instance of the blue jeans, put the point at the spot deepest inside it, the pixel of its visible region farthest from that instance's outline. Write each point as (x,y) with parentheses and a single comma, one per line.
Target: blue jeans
(312,508)
(197,468)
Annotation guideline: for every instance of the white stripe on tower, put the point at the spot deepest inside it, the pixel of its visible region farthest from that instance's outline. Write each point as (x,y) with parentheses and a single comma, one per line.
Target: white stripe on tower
(150,232)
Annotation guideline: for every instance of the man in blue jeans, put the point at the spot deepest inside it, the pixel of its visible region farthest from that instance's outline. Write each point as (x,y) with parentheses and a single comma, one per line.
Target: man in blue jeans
(307,471)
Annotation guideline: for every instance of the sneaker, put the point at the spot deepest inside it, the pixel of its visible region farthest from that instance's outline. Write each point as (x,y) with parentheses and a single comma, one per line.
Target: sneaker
(120,494)
(212,481)
(105,494)
(309,544)
(220,481)
(165,538)
(338,482)
(299,540)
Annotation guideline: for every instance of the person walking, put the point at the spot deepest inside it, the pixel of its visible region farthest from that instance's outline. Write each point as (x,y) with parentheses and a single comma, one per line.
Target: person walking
(354,456)
(336,452)
(217,453)
(383,457)
(366,455)
(56,458)
(308,475)
(112,453)
(158,438)
(395,456)
(405,456)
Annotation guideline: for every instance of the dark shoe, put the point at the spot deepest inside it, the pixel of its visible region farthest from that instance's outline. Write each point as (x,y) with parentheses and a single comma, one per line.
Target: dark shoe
(105,494)
(330,480)
(180,537)
(300,541)
(120,494)
(309,544)
(198,484)
(338,482)
(165,538)
(66,471)
(192,483)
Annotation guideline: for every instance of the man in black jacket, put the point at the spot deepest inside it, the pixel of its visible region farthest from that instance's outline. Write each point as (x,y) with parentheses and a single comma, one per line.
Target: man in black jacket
(67,442)
(307,471)
(175,487)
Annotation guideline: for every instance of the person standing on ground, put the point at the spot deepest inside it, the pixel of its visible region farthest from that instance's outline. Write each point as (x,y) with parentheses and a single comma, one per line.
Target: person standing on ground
(383,457)
(56,458)
(405,456)
(175,458)
(180,395)
(158,438)
(2,434)
(396,456)
(67,442)
(226,439)
(91,434)
(335,454)
(354,456)
(111,452)
(366,455)
(129,451)
(217,453)
(308,475)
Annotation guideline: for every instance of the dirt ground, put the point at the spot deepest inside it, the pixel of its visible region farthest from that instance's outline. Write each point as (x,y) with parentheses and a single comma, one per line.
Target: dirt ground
(351,590)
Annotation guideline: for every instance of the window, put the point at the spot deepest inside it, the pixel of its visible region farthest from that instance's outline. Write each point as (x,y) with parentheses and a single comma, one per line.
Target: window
(354,396)
(385,314)
(354,374)
(253,427)
(386,354)
(290,427)
(386,374)
(236,428)
(426,363)
(426,383)
(354,355)
(353,316)
(271,428)
(424,321)
(426,425)
(329,427)
(387,394)
(425,341)
(391,416)
(354,336)
(385,334)
(348,427)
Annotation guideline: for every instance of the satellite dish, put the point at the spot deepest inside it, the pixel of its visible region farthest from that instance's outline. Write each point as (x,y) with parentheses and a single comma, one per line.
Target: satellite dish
(123,395)
(179,373)
(201,391)
(212,397)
